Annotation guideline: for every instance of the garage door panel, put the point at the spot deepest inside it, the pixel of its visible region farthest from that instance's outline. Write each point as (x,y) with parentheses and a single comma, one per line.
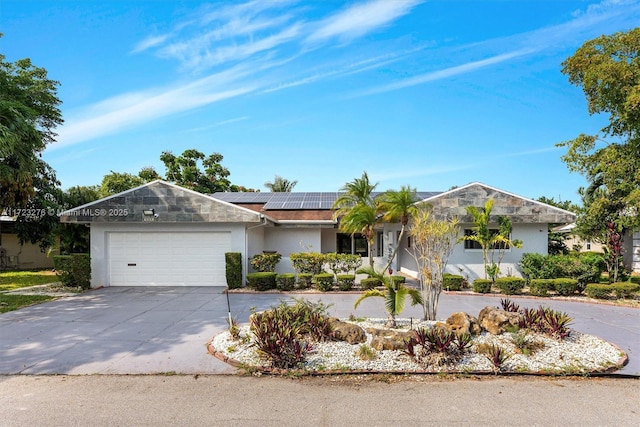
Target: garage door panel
(168,258)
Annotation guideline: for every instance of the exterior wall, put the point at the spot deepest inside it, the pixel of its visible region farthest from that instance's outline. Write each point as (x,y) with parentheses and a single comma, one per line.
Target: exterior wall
(291,240)
(100,241)
(23,257)
(328,240)
(468,262)
(574,242)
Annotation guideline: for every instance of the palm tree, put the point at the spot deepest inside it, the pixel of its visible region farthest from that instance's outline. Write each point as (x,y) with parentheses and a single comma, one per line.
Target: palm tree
(394,294)
(357,210)
(280,185)
(398,206)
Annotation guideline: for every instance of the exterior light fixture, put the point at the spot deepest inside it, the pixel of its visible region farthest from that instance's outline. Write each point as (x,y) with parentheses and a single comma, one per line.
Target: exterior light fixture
(149,212)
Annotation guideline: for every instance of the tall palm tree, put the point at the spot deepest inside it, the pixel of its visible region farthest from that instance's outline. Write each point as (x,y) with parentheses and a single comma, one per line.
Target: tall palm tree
(398,206)
(280,185)
(357,210)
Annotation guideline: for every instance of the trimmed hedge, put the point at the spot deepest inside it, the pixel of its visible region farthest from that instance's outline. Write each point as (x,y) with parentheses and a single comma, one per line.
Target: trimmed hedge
(323,281)
(398,280)
(285,282)
(482,286)
(565,287)
(73,270)
(305,280)
(265,262)
(346,281)
(452,282)
(635,279)
(597,290)
(625,289)
(370,283)
(510,285)
(307,262)
(540,287)
(263,281)
(233,269)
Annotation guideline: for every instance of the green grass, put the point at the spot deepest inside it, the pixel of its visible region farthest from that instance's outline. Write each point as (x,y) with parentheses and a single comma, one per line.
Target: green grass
(14,302)
(11,280)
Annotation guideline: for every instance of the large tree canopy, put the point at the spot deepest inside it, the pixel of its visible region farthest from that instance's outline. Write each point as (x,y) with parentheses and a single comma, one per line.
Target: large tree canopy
(29,114)
(608,70)
(192,169)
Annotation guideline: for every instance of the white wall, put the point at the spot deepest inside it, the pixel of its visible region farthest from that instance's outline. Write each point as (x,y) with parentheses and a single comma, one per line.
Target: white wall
(291,240)
(100,241)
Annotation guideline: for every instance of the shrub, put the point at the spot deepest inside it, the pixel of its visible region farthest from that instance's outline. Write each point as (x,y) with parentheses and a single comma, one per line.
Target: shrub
(598,291)
(307,262)
(584,268)
(261,281)
(536,266)
(540,287)
(305,280)
(452,282)
(625,289)
(565,287)
(482,286)
(398,280)
(323,281)
(265,262)
(233,269)
(342,263)
(510,285)
(370,283)
(346,281)
(73,270)
(635,279)
(285,282)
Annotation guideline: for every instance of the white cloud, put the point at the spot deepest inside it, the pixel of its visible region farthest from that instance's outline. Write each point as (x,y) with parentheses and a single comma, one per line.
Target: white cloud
(149,42)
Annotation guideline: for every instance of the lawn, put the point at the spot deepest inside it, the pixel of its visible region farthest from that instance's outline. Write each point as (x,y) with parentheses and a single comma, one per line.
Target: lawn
(12,280)
(14,302)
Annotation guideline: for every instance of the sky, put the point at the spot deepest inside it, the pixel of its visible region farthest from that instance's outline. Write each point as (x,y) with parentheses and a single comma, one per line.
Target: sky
(430,94)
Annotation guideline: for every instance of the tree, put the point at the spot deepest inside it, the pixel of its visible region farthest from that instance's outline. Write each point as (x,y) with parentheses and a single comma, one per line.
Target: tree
(608,70)
(493,242)
(280,185)
(394,295)
(433,243)
(356,210)
(29,114)
(74,238)
(398,206)
(116,182)
(193,170)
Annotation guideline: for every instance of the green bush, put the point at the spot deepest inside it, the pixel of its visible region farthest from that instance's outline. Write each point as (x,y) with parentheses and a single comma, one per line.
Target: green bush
(452,282)
(323,281)
(537,266)
(346,281)
(370,283)
(625,289)
(233,269)
(398,280)
(285,282)
(265,262)
(73,270)
(482,286)
(263,281)
(510,285)
(540,287)
(585,268)
(342,263)
(635,279)
(305,280)
(565,286)
(308,262)
(597,290)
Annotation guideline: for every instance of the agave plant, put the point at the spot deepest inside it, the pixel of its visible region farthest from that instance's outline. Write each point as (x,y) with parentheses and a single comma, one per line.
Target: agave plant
(394,294)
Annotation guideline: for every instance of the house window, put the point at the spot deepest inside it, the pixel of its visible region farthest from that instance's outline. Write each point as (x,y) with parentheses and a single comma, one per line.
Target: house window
(588,245)
(348,244)
(472,244)
(379,244)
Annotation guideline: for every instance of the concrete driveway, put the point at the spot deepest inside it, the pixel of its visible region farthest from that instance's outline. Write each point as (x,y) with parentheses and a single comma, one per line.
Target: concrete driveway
(139,330)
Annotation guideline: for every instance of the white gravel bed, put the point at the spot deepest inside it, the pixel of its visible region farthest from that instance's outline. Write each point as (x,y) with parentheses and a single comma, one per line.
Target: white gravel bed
(578,354)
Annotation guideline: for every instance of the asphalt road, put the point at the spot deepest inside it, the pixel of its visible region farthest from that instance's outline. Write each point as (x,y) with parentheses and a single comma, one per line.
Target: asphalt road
(222,400)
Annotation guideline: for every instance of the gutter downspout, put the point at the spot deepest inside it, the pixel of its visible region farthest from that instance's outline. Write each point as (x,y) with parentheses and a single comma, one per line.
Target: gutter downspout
(263,222)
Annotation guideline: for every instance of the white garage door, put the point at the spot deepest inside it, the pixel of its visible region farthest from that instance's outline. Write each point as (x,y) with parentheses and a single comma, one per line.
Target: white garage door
(168,259)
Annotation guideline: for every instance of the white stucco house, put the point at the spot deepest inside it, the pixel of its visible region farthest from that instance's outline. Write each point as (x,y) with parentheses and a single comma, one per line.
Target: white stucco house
(160,234)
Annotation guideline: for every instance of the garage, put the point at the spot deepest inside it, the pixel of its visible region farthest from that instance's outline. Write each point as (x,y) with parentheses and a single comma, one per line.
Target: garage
(165,258)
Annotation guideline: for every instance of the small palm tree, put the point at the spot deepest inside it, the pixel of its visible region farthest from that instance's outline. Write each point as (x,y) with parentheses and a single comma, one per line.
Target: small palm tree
(398,206)
(280,185)
(356,192)
(394,294)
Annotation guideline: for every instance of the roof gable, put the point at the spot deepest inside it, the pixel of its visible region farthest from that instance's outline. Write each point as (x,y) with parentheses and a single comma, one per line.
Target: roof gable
(454,203)
(170,203)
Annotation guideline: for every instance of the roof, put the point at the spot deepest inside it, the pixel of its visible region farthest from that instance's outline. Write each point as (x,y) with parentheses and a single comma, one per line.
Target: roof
(297,200)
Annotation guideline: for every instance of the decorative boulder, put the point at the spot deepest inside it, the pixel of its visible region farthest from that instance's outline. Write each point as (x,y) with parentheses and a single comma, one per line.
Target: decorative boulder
(343,331)
(388,339)
(462,323)
(496,321)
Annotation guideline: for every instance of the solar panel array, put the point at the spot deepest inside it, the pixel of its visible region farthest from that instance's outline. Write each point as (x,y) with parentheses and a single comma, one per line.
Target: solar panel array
(295,201)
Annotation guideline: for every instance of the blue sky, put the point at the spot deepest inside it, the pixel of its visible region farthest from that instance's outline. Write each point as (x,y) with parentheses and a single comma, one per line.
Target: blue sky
(426,93)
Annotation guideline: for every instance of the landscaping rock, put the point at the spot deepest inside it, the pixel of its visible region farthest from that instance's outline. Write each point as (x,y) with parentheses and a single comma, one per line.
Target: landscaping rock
(343,331)
(463,323)
(496,321)
(389,339)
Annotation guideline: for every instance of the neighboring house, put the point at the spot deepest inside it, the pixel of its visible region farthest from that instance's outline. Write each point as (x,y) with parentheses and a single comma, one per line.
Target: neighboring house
(163,234)
(15,256)
(576,243)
